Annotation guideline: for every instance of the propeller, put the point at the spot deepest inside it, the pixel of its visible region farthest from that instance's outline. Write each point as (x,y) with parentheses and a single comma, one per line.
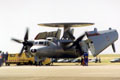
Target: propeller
(16,40)
(71,35)
(113,47)
(26,43)
(77,45)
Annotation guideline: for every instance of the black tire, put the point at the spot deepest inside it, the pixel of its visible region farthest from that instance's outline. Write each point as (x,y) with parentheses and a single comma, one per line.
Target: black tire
(30,63)
(18,64)
(48,64)
(6,64)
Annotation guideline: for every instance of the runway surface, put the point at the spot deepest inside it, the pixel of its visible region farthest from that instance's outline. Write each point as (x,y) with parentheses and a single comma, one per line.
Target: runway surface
(101,72)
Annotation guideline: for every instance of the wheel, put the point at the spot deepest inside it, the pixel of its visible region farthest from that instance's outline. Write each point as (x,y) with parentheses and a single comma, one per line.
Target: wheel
(18,64)
(30,63)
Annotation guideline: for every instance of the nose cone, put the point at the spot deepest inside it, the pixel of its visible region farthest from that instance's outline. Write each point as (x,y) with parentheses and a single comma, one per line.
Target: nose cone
(37,49)
(34,50)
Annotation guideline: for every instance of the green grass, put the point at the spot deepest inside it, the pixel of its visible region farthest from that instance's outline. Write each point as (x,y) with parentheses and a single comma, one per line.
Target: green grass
(105,60)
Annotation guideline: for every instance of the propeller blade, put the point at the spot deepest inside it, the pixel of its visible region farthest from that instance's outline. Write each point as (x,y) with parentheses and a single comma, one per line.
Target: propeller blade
(80,38)
(21,51)
(26,35)
(28,54)
(71,35)
(76,43)
(113,47)
(16,40)
(26,44)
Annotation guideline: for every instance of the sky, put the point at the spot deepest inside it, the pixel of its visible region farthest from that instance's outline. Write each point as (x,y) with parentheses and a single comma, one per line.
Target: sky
(17,15)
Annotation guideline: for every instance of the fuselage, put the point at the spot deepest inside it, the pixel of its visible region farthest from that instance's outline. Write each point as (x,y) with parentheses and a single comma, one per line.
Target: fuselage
(46,48)
(96,42)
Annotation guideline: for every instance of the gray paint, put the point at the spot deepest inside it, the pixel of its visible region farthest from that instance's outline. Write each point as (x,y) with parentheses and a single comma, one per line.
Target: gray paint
(102,41)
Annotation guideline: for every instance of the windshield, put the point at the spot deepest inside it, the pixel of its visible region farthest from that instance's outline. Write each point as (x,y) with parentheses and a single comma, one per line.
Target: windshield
(46,43)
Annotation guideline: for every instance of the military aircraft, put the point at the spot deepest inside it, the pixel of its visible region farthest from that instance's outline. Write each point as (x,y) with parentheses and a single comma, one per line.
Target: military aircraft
(68,46)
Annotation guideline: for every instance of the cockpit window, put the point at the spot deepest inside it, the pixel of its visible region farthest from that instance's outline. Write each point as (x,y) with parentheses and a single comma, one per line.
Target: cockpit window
(36,43)
(46,43)
(41,42)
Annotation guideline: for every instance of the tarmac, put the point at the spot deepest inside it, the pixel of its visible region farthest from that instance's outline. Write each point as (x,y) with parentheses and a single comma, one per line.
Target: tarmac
(69,72)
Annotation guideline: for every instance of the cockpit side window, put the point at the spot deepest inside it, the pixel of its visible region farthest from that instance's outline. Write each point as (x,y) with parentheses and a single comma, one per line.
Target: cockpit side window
(41,43)
(47,43)
(36,43)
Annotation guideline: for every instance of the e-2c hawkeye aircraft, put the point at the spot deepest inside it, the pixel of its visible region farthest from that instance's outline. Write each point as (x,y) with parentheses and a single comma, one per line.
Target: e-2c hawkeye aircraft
(68,46)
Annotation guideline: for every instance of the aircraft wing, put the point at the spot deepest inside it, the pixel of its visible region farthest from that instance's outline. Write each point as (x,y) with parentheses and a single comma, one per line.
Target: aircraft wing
(66,24)
(100,40)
